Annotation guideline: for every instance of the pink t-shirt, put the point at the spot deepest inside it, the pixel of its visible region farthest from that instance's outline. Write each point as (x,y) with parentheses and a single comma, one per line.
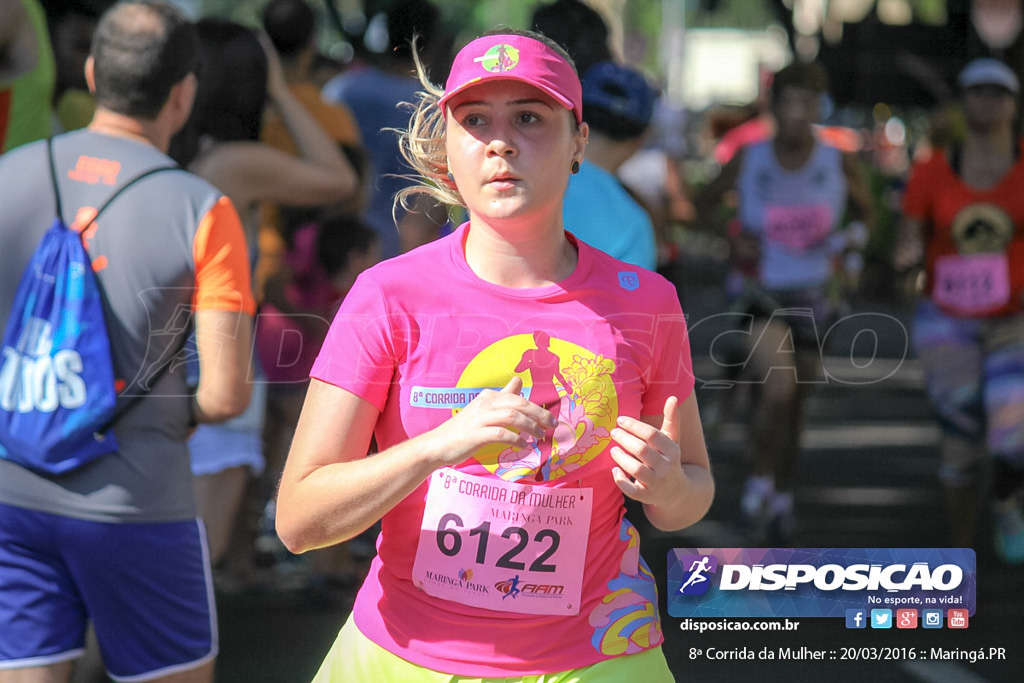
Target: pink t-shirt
(516,562)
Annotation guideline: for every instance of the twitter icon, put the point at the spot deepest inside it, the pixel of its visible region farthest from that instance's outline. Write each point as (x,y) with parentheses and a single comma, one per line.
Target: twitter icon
(881,618)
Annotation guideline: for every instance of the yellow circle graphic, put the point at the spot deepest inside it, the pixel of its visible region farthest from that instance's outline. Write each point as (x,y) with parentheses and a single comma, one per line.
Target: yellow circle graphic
(569,380)
(982,229)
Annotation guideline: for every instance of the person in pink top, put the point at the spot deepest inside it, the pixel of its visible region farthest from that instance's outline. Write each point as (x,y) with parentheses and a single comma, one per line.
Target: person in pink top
(519,385)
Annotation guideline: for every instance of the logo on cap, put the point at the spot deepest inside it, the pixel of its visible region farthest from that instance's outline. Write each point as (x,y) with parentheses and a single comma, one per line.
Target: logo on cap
(499,58)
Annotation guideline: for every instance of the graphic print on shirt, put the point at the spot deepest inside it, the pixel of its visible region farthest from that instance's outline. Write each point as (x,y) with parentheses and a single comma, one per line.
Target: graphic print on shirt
(626,621)
(572,382)
(527,543)
(977,278)
(982,228)
(576,384)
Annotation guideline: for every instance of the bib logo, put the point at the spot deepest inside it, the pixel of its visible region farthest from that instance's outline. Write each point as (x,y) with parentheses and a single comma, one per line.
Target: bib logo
(513,588)
(785,582)
(33,380)
(695,581)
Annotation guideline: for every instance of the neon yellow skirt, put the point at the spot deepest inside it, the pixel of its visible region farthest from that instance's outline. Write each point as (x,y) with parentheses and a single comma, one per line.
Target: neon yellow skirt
(354,658)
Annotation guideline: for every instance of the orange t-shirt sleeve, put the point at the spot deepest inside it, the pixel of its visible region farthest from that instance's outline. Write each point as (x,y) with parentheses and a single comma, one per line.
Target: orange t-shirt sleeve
(223,280)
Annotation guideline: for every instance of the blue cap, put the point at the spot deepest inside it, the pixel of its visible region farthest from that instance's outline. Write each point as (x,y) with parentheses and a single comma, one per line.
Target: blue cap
(988,71)
(618,90)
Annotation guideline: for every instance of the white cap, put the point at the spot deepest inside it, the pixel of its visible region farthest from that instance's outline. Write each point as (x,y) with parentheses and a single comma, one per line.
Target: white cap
(988,71)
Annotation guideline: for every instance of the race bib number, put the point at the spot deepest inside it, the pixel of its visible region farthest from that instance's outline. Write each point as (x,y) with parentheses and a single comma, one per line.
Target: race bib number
(503,546)
(972,283)
(797,227)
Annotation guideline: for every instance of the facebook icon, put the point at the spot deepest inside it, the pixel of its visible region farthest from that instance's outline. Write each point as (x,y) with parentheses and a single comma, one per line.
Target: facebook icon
(856,618)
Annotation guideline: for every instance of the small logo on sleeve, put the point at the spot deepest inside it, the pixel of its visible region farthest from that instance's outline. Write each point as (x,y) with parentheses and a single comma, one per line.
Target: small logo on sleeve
(628,280)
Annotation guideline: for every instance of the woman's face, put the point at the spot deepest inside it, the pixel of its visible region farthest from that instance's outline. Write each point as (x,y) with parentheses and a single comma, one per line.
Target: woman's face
(796,109)
(988,107)
(509,149)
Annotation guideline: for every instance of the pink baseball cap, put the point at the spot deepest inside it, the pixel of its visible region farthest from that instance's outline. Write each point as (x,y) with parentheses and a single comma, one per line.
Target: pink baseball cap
(515,58)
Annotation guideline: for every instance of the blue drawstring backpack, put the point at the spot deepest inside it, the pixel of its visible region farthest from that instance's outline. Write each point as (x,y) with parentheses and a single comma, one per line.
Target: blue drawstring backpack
(57,396)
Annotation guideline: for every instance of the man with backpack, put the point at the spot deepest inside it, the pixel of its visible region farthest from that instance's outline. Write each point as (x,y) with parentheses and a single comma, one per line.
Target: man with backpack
(112,537)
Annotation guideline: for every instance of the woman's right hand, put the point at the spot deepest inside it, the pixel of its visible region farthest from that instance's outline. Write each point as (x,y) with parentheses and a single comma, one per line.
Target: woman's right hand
(504,416)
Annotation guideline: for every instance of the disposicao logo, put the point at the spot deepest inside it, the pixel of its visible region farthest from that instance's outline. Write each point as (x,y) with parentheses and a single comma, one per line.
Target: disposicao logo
(696,580)
(817,582)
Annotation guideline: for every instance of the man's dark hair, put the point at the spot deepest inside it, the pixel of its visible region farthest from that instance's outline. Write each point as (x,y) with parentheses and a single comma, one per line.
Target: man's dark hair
(290,25)
(577,27)
(809,76)
(339,236)
(140,51)
(612,125)
(618,102)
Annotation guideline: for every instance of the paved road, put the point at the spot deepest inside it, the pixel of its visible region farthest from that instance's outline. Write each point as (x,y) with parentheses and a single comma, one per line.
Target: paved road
(867,480)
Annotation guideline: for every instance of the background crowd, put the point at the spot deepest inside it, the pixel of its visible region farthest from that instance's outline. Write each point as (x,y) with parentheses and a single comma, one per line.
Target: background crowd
(784,208)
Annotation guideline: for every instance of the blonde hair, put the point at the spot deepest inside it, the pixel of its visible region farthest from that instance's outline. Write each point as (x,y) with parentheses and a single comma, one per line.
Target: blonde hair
(423,146)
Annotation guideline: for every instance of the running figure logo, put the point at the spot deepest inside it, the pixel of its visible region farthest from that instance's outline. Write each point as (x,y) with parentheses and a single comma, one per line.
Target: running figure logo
(543,366)
(572,382)
(499,58)
(698,567)
(510,587)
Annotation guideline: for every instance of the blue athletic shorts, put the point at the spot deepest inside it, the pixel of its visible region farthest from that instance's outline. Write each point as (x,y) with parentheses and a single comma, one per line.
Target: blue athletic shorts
(146,587)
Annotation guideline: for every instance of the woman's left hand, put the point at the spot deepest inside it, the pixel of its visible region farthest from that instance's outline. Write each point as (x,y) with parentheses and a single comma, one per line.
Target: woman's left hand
(648,458)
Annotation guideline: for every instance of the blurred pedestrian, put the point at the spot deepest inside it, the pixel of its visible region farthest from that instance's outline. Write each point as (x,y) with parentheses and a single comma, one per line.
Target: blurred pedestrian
(296,293)
(291,27)
(116,541)
(240,75)
(72,28)
(794,191)
(489,495)
(578,28)
(27,73)
(617,104)
(963,210)
(374,93)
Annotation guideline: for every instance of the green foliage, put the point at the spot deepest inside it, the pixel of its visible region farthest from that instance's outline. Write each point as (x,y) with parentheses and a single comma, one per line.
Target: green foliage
(931,12)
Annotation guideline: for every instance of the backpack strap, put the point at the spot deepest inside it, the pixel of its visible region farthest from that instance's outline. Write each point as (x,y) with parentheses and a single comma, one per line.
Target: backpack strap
(131,401)
(53,177)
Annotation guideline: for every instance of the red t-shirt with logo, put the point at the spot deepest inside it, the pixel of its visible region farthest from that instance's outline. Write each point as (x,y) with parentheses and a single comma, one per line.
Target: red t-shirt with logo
(974,255)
